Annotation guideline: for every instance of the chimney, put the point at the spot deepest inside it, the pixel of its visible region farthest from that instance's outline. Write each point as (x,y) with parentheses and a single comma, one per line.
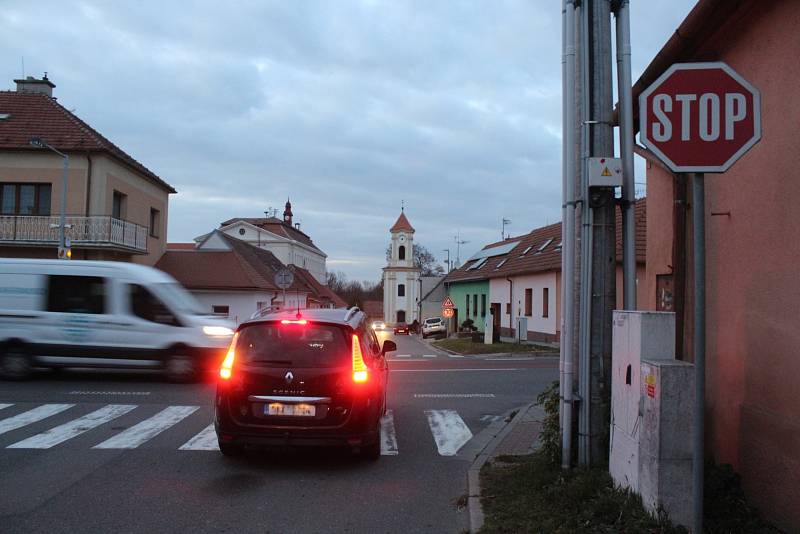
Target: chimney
(297,226)
(32,85)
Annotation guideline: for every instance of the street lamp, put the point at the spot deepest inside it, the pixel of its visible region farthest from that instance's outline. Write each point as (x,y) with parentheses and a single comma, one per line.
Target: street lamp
(38,142)
(448,258)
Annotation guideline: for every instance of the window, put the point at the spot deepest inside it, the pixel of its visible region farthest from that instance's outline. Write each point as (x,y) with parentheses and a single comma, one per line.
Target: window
(528,302)
(25,199)
(467,307)
(119,205)
(294,346)
(401,290)
(475,304)
(544,245)
(483,305)
(76,294)
(508,308)
(149,307)
(401,252)
(155,222)
(546,302)
(527,249)
(401,316)
(221,310)
(501,263)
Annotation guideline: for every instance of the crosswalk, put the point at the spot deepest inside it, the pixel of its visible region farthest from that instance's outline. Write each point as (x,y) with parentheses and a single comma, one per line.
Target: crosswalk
(448,430)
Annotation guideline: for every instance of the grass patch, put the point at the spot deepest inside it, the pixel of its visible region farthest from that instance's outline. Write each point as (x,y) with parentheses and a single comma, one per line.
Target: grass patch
(534,495)
(467,346)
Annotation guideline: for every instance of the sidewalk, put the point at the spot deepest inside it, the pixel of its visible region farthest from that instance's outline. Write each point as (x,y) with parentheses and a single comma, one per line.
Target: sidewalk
(519,437)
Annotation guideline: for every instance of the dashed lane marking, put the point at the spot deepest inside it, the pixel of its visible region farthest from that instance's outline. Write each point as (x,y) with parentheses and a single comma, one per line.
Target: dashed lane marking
(147,429)
(402,355)
(109,393)
(388,435)
(32,416)
(454,395)
(449,431)
(67,431)
(450,370)
(455,355)
(204,441)
(429,356)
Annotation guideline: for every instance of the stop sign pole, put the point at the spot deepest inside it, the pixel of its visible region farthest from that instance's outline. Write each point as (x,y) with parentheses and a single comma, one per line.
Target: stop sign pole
(699,118)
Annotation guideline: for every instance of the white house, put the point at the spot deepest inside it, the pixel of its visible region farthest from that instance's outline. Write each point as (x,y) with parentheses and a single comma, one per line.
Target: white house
(401,287)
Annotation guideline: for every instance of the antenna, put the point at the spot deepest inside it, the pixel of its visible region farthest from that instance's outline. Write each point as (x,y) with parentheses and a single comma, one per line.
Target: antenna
(506,222)
(23,67)
(459,242)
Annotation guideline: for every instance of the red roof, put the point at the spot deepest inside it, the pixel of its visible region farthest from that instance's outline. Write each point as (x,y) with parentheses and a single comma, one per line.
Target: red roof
(402,224)
(538,251)
(181,246)
(38,115)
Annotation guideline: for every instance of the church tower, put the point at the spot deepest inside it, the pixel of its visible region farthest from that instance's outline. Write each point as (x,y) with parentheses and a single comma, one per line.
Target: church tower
(401,276)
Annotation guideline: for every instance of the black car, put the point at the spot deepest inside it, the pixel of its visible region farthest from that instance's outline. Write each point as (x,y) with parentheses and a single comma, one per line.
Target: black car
(316,379)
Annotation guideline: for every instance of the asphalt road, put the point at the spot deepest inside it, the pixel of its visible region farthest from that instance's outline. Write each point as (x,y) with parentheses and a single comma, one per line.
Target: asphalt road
(56,474)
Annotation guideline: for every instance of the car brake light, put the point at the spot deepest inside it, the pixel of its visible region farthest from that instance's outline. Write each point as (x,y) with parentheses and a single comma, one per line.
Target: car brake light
(294,321)
(226,370)
(359,367)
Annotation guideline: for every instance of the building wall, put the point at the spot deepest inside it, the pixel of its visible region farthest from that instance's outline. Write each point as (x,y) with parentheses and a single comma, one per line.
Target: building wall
(458,291)
(392,303)
(242,304)
(46,167)
(432,305)
(752,253)
(540,328)
(641,287)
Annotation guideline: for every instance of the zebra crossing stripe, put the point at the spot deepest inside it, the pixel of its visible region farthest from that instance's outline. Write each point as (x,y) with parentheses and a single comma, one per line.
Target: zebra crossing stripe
(5,406)
(76,427)
(148,429)
(449,431)
(204,441)
(32,416)
(388,435)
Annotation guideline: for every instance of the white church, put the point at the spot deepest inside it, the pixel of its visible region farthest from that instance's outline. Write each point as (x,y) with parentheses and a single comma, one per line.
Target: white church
(401,279)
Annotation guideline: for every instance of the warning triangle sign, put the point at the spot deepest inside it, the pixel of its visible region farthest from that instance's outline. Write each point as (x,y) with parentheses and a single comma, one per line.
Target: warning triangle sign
(605,172)
(447,304)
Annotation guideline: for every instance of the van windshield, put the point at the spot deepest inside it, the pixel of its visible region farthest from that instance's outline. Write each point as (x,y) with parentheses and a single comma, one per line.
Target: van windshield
(180,299)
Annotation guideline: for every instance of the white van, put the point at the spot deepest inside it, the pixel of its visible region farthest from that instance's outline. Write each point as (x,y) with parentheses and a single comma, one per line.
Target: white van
(57,313)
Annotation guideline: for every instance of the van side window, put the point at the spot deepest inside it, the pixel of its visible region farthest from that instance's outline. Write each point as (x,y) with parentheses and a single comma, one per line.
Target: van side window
(149,307)
(76,294)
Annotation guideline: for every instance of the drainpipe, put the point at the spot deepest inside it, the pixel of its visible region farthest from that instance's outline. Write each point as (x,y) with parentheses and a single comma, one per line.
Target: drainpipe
(510,305)
(88,183)
(568,233)
(626,153)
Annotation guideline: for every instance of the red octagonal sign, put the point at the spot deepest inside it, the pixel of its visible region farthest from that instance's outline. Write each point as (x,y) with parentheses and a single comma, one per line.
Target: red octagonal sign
(700,117)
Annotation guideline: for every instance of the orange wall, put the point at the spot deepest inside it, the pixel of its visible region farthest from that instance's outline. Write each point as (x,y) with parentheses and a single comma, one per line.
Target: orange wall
(753,269)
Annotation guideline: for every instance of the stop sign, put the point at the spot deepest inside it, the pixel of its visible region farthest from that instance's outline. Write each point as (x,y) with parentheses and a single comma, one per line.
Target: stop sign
(700,117)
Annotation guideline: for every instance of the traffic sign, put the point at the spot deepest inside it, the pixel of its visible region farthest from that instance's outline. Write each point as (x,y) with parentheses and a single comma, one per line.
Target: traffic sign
(447,304)
(284,278)
(700,117)
(447,313)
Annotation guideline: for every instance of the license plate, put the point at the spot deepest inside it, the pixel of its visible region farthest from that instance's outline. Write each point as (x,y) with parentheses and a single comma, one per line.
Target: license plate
(290,410)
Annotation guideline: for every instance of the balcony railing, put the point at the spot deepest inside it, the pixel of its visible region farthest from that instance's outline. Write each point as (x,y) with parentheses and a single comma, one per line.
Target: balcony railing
(96,231)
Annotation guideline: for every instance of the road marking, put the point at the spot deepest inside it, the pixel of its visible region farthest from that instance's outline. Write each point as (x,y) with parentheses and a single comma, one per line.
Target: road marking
(429,356)
(204,441)
(449,370)
(402,355)
(453,395)
(5,406)
(388,435)
(32,416)
(449,431)
(76,427)
(109,393)
(491,418)
(456,355)
(148,429)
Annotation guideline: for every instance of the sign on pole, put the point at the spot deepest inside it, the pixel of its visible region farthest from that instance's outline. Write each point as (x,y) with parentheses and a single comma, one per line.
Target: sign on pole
(700,117)
(447,304)
(447,313)
(284,278)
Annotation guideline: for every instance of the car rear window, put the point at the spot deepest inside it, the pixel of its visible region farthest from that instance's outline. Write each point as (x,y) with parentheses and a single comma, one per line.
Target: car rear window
(293,345)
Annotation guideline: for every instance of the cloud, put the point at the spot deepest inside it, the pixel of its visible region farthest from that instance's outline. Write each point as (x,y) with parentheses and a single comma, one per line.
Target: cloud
(346,107)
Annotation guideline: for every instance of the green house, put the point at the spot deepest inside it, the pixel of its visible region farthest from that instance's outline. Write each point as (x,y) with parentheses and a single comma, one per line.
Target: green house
(471,300)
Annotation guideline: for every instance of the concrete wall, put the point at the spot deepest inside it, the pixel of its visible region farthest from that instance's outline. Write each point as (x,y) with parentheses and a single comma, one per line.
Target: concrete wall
(432,305)
(753,295)
(539,326)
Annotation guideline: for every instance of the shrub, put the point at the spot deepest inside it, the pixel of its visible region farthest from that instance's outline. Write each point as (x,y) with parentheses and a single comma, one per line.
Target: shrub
(550,436)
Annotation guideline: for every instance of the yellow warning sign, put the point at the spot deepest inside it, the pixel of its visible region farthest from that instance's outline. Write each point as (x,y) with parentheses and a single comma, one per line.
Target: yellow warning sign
(605,172)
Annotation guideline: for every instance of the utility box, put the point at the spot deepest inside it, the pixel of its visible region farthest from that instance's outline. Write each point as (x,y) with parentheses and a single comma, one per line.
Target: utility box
(522,329)
(636,335)
(665,445)
(605,172)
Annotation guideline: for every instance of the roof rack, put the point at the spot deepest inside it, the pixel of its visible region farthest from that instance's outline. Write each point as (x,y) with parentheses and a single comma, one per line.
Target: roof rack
(351,312)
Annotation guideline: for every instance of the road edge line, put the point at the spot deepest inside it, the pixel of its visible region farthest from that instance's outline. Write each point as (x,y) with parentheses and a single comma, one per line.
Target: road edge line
(476,516)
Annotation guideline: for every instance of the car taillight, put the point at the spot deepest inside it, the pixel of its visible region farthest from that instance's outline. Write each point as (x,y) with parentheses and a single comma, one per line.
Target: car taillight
(359,367)
(301,322)
(226,370)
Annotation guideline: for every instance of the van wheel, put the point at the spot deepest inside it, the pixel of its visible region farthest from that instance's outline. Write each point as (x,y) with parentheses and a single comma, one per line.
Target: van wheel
(15,363)
(180,367)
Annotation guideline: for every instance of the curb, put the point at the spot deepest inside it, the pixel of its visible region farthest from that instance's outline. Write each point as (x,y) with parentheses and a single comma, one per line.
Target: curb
(474,507)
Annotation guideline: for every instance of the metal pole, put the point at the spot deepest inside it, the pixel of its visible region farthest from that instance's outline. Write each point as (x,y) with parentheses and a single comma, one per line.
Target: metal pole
(568,235)
(62,242)
(699,253)
(626,153)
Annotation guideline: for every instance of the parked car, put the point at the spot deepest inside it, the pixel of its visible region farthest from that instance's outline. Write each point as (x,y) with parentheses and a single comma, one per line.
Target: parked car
(434,326)
(378,325)
(57,313)
(313,380)
(401,328)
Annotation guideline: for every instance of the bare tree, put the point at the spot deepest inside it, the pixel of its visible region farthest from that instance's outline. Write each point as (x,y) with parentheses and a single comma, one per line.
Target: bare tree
(423,259)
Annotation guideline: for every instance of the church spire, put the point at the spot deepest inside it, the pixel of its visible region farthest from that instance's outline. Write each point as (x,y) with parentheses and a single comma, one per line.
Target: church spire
(287,212)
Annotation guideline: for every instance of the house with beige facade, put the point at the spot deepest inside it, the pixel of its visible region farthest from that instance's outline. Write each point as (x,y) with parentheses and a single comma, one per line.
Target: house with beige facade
(116,208)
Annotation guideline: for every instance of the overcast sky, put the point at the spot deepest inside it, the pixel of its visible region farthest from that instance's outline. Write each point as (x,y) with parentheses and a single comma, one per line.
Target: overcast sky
(347,107)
